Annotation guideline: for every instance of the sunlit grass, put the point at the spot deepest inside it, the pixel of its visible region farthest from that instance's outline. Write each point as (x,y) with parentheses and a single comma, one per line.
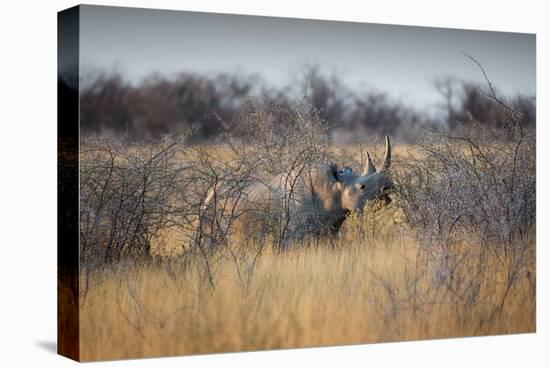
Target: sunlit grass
(358,288)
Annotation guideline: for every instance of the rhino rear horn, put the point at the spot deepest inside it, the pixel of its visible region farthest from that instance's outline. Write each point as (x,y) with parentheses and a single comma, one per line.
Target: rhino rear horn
(369,167)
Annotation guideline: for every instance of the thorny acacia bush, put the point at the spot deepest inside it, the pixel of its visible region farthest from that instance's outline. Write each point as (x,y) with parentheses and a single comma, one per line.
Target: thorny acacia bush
(470,194)
(255,147)
(260,147)
(131,194)
(126,193)
(276,139)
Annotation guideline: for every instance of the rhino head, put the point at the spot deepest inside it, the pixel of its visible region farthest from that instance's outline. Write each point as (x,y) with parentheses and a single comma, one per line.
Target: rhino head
(372,184)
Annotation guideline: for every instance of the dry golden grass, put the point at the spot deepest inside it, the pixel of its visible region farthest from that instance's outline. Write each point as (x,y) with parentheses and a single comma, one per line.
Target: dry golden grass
(356,289)
(374,283)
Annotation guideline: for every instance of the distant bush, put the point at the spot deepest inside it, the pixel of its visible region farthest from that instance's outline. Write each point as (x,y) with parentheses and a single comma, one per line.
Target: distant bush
(111,106)
(465,103)
(156,106)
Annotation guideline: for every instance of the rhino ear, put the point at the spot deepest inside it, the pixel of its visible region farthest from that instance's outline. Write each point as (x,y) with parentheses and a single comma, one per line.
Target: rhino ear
(333,172)
(369,167)
(336,183)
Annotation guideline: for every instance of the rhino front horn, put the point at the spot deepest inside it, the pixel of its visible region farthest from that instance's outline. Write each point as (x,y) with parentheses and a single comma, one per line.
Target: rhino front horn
(387,156)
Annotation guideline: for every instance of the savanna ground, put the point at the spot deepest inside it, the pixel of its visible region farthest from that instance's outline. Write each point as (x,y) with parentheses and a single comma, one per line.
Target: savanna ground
(436,263)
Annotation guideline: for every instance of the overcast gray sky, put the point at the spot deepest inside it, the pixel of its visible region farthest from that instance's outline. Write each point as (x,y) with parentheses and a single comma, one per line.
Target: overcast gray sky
(397,59)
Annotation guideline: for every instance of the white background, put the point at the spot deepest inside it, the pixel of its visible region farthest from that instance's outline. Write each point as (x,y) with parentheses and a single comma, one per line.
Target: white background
(28,182)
